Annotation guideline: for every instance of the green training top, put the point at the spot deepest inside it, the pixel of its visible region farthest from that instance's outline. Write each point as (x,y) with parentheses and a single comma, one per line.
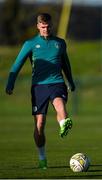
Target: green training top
(48,58)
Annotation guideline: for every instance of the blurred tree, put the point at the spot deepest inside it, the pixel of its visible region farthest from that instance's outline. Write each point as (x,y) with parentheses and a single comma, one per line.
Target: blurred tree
(10,21)
(18,21)
(85,22)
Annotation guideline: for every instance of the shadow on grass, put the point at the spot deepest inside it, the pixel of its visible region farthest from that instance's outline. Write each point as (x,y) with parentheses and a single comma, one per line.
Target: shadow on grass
(81,175)
(58,167)
(94,172)
(96,168)
(91,166)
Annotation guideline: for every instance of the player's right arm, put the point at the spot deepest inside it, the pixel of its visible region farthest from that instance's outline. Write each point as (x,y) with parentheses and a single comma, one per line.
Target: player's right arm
(67,68)
(21,58)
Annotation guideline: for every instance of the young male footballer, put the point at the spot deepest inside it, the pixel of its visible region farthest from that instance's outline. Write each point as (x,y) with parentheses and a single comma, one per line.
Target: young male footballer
(48,59)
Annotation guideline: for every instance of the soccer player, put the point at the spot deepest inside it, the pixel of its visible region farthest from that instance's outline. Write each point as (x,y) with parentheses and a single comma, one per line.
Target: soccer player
(48,59)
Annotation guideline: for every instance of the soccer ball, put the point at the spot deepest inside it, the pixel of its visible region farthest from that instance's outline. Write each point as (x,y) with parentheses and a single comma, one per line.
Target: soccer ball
(79,162)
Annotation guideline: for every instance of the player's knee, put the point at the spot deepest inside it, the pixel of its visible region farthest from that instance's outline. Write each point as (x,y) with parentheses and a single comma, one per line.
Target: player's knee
(60,110)
(39,130)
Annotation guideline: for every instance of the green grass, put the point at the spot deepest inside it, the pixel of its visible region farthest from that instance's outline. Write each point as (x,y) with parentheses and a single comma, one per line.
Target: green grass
(18,153)
(18,156)
(86,57)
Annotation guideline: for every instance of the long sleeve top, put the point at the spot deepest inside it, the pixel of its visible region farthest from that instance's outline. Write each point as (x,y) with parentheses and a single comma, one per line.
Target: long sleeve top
(48,59)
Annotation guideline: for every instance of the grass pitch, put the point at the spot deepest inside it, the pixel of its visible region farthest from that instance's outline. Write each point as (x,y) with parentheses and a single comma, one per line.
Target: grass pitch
(18,153)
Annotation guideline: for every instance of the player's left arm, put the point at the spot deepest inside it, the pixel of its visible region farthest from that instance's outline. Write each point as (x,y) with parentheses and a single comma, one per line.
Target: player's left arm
(67,68)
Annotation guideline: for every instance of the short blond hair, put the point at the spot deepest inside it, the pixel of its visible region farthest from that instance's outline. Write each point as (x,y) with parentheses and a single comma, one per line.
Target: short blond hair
(43,18)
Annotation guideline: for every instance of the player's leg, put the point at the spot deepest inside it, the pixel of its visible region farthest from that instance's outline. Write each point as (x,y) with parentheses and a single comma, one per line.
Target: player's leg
(60,107)
(39,138)
(59,98)
(62,117)
(40,100)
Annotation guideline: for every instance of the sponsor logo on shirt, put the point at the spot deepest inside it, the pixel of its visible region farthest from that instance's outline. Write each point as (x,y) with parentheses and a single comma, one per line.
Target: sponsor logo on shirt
(37,46)
(57,45)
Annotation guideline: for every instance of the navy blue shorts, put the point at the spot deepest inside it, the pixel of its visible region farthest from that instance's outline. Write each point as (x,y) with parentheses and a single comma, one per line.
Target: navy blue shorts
(43,93)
